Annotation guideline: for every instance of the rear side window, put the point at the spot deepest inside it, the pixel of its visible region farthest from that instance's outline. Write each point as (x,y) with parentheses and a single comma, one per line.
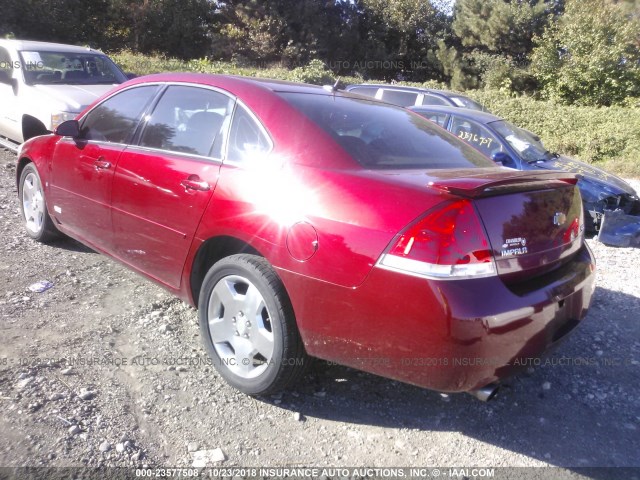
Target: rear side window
(116,119)
(439,118)
(187,120)
(247,140)
(381,136)
(403,99)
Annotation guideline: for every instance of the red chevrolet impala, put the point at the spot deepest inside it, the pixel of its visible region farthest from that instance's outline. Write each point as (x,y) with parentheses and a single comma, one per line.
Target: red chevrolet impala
(303,221)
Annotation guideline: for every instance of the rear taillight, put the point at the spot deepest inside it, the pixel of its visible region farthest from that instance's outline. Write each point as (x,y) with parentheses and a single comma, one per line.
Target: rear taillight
(448,243)
(573,231)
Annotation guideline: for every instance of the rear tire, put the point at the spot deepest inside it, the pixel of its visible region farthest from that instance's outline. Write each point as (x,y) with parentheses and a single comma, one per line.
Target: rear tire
(248,326)
(33,205)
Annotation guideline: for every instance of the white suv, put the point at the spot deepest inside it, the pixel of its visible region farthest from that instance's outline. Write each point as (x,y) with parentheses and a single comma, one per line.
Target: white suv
(44,84)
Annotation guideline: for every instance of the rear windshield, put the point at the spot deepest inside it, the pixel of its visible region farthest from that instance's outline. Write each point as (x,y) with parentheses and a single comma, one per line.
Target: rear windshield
(381,136)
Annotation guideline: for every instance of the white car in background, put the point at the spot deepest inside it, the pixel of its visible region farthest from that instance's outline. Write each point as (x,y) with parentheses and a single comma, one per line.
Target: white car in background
(44,84)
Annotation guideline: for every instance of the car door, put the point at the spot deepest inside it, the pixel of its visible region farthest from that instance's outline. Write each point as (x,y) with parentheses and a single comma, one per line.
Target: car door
(83,167)
(163,184)
(10,126)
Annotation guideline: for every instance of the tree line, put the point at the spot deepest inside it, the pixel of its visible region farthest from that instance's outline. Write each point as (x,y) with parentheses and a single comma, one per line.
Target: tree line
(573,51)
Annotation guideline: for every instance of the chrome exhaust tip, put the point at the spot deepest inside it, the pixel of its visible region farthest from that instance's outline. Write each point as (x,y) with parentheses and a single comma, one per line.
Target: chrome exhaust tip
(486,393)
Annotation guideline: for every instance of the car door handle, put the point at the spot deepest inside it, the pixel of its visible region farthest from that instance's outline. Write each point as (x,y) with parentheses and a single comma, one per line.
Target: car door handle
(102,164)
(195,184)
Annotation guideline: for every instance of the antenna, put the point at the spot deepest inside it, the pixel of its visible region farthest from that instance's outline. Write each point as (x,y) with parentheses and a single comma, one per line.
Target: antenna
(332,88)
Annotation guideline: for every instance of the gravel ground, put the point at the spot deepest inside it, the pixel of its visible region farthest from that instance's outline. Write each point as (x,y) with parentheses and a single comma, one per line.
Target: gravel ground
(106,369)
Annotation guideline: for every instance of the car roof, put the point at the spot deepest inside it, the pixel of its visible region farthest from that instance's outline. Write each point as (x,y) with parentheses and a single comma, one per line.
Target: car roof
(480,117)
(235,82)
(45,46)
(404,88)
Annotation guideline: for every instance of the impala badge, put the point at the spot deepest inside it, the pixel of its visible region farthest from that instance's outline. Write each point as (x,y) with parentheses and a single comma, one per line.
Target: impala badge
(514,246)
(559,219)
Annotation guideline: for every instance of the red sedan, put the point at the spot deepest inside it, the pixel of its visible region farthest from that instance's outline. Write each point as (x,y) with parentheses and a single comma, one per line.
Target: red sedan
(302,222)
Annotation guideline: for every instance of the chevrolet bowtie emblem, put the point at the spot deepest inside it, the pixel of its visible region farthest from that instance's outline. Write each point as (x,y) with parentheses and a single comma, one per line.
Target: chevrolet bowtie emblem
(559,219)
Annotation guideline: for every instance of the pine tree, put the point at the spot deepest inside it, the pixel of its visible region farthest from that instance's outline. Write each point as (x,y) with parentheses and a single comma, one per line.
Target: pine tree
(591,56)
(492,42)
(405,35)
(500,27)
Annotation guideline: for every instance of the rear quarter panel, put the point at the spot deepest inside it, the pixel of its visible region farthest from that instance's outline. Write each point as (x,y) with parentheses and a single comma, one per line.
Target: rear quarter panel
(354,217)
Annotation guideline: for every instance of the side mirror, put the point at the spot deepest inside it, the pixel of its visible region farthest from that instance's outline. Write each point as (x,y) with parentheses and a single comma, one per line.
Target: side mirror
(503,159)
(70,128)
(130,75)
(6,79)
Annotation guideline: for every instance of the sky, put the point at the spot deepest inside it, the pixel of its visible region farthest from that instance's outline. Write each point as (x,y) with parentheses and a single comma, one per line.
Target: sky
(446,4)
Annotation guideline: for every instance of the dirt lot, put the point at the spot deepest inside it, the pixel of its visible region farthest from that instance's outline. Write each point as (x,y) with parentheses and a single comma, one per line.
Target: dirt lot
(106,369)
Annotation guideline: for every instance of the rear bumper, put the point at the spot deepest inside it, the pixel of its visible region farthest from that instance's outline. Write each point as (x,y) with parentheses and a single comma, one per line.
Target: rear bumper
(537,318)
(448,336)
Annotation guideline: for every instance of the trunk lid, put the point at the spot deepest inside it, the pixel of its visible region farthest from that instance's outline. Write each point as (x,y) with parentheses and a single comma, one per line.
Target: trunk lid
(533,222)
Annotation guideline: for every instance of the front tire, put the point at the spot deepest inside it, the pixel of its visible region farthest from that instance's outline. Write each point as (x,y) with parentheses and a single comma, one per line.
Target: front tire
(248,326)
(33,205)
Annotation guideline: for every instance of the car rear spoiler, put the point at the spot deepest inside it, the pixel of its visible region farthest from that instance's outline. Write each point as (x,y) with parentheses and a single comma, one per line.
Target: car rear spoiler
(520,181)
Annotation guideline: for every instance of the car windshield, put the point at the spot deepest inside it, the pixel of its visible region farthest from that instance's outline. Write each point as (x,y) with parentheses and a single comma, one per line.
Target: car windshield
(44,67)
(528,146)
(382,136)
(466,102)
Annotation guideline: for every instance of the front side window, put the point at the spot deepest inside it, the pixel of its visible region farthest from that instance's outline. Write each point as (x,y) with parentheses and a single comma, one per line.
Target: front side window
(247,140)
(433,100)
(69,68)
(187,120)
(116,119)
(382,136)
(476,135)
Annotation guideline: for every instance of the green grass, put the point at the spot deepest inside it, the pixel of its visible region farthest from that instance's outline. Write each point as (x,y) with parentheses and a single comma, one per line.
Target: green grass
(607,136)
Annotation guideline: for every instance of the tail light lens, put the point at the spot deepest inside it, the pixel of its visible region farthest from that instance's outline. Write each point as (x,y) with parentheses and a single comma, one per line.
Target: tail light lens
(448,243)
(574,230)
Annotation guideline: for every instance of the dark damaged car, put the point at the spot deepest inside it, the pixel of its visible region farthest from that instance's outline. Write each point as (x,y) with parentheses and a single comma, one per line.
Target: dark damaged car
(517,148)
